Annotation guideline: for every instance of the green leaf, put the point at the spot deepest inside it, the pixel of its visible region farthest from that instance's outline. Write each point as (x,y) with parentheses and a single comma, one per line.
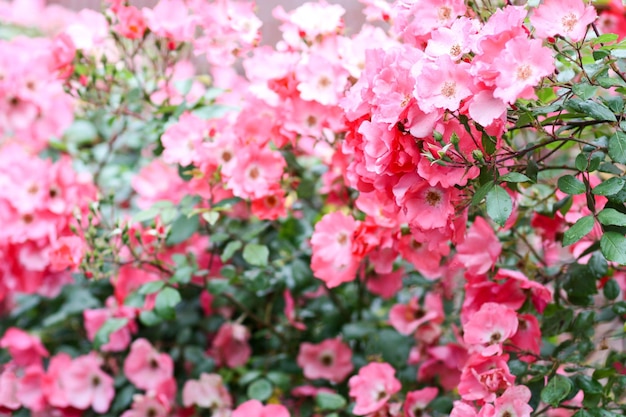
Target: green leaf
(593,109)
(261,390)
(571,185)
(611,289)
(166,301)
(584,90)
(327,401)
(613,247)
(110,326)
(612,217)
(499,205)
(611,186)
(151,287)
(617,147)
(557,389)
(481,193)
(230,249)
(515,177)
(579,230)
(182,229)
(256,254)
(605,38)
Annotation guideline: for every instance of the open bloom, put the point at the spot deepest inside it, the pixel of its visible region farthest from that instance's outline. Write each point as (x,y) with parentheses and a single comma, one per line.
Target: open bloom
(145,367)
(333,261)
(568,18)
(331,359)
(254,408)
(373,387)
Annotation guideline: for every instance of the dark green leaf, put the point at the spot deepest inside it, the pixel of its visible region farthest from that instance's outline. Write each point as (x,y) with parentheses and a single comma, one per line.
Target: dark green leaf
(515,177)
(256,254)
(481,193)
(620,308)
(617,147)
(584,90)
(611,289)
(612,217)
(557,389)
(182,229)
(593,109)
(532,170)
(613,247)
(580,229)
(261,390)
(609,187)
(598,266)
(327,401)
(499,205)
(571,185)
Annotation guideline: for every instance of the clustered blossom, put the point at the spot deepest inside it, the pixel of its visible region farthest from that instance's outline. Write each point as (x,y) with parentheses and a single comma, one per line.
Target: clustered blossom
(39,201)
(397,116)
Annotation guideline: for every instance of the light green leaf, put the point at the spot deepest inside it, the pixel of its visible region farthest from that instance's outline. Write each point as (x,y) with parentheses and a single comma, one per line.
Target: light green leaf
(499,205)
(515,177)
(166,301)
(612,217)
(571,185)
(613,247)
(256,254)
(617,147)
(327,401)
(580,229)
(261,390)
(557,389)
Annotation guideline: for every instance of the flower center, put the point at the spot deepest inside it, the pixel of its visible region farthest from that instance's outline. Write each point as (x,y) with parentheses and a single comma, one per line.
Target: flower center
(326,359)
(254,173)
(455,50)
(495,337)
(444,13)
(324,81)
(569,21)
(342,239)
(433,198)
(524,72)
(448,89)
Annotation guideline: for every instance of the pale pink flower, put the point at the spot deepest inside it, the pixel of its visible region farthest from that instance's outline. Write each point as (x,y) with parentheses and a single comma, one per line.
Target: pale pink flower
(493,324)
(406,318)
(332,260)
(207,392)
(442,84)
(330,359)
(148,406)
(131,22)
(254,408)
(145,367)
(9,389)
(514,402)
(568,18)
(171,19)
(87,385)
(373,387)
(417,401)
(483,377)
(30,392)
(230,346)
(24,348)
(521,66)
(53,383)
(480,249)
(67,252)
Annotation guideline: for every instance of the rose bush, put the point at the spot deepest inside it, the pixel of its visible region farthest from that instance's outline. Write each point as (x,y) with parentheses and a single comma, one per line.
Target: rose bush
(423,216)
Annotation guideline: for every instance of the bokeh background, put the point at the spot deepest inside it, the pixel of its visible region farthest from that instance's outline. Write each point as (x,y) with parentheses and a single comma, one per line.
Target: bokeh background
(353,17)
